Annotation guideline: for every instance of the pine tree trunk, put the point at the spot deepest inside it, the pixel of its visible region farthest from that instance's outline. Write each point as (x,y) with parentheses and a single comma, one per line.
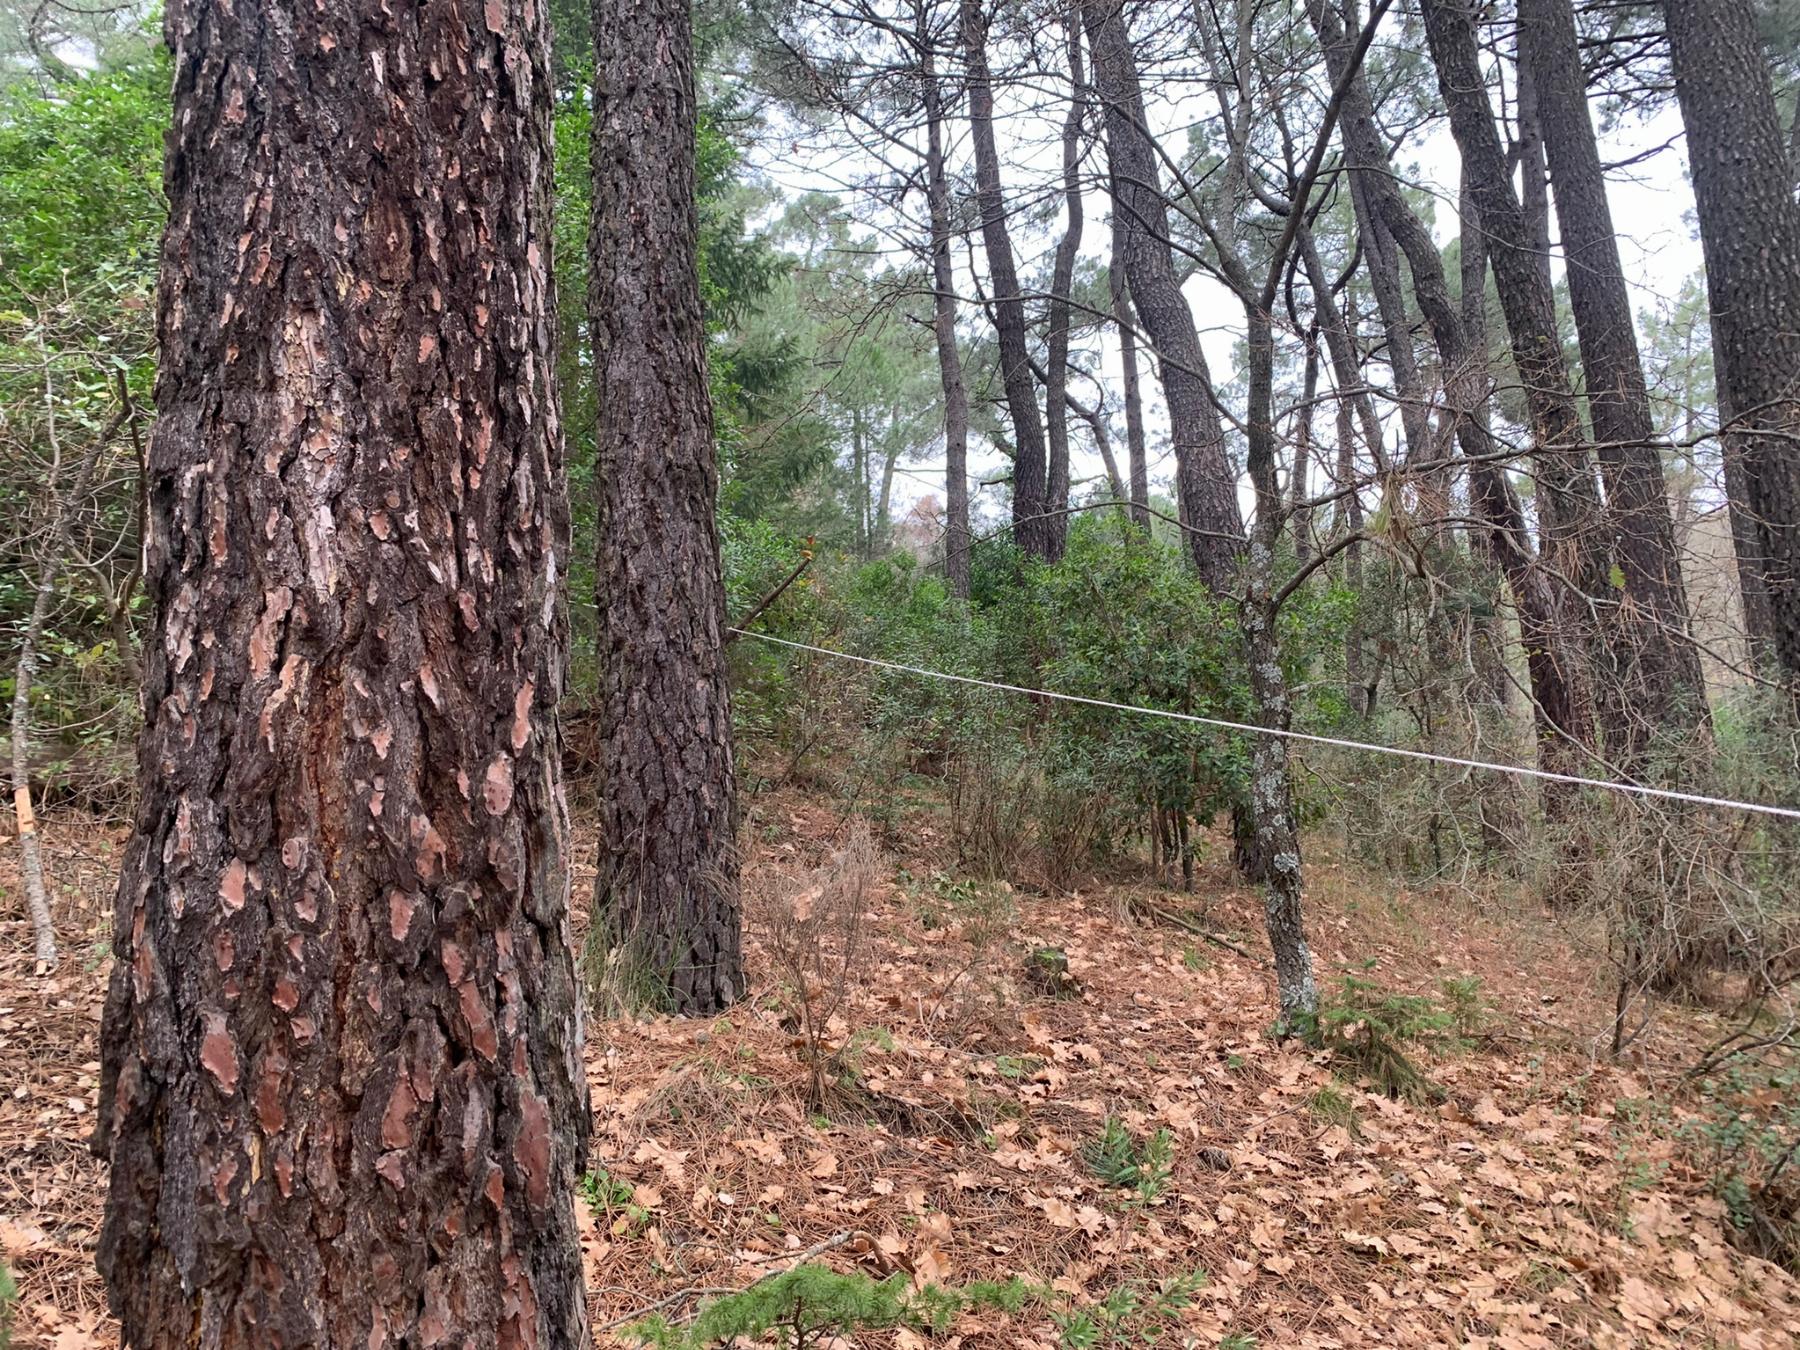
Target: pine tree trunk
(1031,526)
(1659,691)
(1276,856)
(1750,231)
(1381,258)
(1573,539)
(1062,279)
(1137,465)
(950,372)
(1206,485)
(666,897)
(342,1087)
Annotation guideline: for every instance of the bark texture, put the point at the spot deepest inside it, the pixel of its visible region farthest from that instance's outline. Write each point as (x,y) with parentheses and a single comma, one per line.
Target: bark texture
(1031,523)
(1750,231)
(342,1088)
(1656,687)
(1206,484)
(667,892)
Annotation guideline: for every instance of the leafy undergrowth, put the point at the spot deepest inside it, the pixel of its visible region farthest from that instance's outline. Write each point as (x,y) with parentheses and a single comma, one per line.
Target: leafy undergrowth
(1130,1160)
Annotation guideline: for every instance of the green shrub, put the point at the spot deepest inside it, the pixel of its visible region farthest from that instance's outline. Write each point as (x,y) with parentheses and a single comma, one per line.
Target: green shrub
(1746,1139)
(1364,1027)
(1118,1159)
(1131,1314)
(809,1305)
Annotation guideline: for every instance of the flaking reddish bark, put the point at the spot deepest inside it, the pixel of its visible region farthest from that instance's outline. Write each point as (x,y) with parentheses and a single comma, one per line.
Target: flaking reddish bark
(342,1090)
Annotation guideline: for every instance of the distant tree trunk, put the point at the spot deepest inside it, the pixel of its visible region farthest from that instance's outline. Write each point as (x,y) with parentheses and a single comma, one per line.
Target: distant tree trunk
(1382,259)
(1660,689)
(943,327)
(1750,230)
(1557,668)
(859,469)
(884,504)
(1534,178)
(1354,405)
(342,1089)
(1137,459)
(1490,656)
(1299,489)
(1062,279)
(64,504)
(667,892)
(1031,525)
(1205,482)
(1572,530)
(1102,441)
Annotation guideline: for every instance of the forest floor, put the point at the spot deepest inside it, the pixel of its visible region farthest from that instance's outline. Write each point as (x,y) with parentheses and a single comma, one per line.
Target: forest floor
(1530,1204)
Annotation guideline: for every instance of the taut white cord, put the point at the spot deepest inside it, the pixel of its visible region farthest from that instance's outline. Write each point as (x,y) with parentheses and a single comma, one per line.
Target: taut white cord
(1517,770)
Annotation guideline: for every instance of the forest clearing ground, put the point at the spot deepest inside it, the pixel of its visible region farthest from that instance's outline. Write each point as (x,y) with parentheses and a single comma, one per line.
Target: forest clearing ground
(1527,1208)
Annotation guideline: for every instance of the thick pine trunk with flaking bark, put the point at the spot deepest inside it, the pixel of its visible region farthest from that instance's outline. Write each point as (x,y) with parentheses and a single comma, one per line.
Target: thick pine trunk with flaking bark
(1750,231)
(1030,504)
(667,891)
(342,1088)
(957,536)
(1657,687)
(1205,483)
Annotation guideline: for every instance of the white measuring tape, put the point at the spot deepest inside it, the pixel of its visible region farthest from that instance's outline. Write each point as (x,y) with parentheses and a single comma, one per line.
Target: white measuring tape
(1517,770)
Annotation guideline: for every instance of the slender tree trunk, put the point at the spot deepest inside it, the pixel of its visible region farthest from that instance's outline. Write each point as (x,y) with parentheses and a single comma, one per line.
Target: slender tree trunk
(859,469)
(1299,488)
(1205,482)
(1750,231)
(1352,404)
(1345,368)
(1534,177)
(943,327)
(1347,518)
(1505,513)
(1382,258)
(666,897)
(56,544)
(1137,458)
(1102,442)
(1031,524)
(1661,692)
(1276,823)
(342,1088)
(1062,279)
(884,505)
